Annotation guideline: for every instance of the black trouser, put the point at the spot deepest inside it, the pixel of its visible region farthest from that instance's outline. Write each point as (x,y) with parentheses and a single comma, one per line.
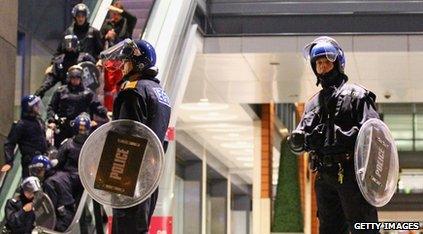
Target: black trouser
(136,219)
(341,205)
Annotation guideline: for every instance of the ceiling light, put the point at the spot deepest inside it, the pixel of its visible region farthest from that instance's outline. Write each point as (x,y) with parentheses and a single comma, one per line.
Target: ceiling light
(247,164)
(224,127)
(237,145)
(213,116)
(232,137)
(244,159)
(241,152)
(204,105)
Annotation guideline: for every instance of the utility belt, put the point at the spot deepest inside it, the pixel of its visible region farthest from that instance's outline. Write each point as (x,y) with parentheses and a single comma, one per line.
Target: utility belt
(321,162)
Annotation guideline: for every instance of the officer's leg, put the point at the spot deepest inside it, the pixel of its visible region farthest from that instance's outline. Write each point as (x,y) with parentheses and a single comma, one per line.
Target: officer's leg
(330,214)
(133,220)
(356,208)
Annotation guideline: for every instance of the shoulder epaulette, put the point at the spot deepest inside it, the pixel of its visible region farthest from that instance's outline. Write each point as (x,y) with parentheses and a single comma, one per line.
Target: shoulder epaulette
(129,85)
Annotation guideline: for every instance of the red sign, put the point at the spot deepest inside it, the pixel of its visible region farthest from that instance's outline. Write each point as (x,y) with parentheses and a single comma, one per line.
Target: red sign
(161,225)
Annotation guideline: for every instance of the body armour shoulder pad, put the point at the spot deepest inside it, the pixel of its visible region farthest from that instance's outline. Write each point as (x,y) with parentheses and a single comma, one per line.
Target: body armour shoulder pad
(61,88)
(357,91)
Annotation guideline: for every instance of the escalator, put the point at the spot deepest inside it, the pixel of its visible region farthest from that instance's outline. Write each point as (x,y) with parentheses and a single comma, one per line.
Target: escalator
(157,23)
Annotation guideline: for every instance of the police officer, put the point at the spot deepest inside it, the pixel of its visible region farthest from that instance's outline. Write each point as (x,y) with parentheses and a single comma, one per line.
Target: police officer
(19,210)
(328,130)
(57,185)
(28,133)
(89,38)
(142,99)
(56,72)
(69,152)
(68,102)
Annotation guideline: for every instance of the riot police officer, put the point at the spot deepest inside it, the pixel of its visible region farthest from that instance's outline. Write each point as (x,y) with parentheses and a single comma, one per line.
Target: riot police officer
(328,130)
(57,185)
(28,133)
(142,99)
(90,39)
(20,216)
(69,152)
(56,72)
(68,102)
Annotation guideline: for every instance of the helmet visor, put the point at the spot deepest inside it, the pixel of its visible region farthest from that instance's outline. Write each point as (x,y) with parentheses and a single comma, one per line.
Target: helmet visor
(70,42)
(36,105)
(321,47)
(123,50)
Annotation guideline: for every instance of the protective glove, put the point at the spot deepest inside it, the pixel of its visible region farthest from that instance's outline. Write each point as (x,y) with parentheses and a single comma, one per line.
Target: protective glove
(296,142)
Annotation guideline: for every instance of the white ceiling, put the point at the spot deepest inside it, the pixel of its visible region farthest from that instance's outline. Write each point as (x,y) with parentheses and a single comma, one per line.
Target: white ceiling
(239,70)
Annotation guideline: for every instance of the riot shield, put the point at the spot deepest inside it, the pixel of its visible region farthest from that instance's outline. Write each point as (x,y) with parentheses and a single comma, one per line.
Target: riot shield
(376,162)
(121,163)
(90,75)
(45,215)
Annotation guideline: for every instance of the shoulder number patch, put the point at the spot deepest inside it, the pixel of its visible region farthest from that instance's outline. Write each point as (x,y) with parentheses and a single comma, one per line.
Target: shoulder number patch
(162,96)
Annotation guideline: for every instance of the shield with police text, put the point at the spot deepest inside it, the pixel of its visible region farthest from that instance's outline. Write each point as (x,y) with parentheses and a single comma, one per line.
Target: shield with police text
(90,75)
(121,163)
(45,215)
(376,162)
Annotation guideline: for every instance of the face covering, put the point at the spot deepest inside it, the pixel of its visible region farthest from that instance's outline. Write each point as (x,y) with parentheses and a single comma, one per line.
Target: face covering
(332,78)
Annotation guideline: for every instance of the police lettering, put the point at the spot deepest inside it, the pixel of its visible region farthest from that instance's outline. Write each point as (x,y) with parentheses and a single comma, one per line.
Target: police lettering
(119,164)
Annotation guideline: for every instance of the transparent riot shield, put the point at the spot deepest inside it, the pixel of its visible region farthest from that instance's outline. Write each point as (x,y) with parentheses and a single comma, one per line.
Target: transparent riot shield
(45,215)
(376,162)
(121,163)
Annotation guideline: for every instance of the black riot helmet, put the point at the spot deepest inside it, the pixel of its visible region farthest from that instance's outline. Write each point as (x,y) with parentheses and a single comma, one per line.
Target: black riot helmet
(75,71)
(70,43)
(80,8)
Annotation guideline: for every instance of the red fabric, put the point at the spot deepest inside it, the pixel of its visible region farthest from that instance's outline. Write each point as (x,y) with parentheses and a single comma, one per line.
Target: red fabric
(112,75)
(161,225)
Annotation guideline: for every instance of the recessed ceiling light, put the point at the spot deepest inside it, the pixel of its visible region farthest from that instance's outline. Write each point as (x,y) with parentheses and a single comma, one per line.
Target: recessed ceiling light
(241,152)
(213,116)
(247,164)
(224,127)
(237,145)
(204,106)
(232,137)
(244,159)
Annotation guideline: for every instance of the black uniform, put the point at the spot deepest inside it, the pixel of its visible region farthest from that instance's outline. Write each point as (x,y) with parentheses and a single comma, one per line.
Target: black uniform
(68,102)
(17,220)
(68,157)
(57,186)
(89,39)
(145,101)
(58,69)
(30,135)
(331,123)
(123,28)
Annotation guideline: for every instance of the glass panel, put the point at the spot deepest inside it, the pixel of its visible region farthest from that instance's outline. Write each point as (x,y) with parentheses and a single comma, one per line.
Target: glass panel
(401,125)
(404,145)
(411,182)
(419,126)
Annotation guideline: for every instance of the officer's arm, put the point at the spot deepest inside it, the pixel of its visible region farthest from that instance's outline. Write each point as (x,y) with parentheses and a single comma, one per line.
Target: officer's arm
(62,154)
(366,108)
(15,216)
(50,81)
(48,188)
(10,143)
(98,41)
(53,107)
(96,107)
